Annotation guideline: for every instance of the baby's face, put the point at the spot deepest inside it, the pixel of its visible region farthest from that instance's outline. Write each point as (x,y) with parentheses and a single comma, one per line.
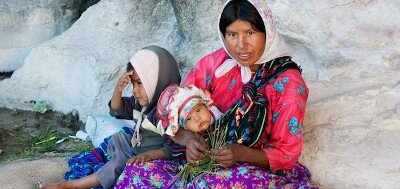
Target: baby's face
(198,119)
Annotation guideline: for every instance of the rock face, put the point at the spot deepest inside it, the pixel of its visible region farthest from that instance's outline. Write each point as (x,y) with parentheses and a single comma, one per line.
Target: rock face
(26,24)
(349,51)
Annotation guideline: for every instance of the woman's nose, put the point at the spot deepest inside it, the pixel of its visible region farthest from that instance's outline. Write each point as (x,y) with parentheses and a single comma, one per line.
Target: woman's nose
(242,41)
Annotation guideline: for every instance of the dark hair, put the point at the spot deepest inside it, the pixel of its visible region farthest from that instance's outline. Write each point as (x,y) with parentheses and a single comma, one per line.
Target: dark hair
(129,67)
(240,10)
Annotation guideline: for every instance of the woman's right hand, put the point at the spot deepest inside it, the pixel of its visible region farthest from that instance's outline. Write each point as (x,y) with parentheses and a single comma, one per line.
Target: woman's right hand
(123,81)
(195,149)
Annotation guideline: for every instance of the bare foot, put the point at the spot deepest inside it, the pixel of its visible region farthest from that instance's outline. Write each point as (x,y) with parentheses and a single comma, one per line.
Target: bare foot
(52,186)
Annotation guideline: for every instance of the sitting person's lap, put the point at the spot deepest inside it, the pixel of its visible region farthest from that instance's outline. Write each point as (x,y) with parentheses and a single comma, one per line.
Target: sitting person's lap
(162,174)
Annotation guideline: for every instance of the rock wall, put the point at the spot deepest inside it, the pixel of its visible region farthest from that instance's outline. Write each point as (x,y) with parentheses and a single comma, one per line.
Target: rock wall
(349,51)
(26,24)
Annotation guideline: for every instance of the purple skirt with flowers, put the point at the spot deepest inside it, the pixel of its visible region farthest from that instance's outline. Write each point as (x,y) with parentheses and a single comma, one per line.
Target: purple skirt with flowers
(161,174)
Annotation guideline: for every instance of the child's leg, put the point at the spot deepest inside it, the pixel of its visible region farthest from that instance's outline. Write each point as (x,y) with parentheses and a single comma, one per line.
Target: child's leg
(120,151)
(90,181)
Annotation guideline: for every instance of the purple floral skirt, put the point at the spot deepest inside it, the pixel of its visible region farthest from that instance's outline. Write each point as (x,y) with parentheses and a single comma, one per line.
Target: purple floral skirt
(161,174)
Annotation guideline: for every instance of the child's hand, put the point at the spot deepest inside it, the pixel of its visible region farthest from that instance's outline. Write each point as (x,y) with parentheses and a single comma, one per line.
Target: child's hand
(141,158)
(123,81)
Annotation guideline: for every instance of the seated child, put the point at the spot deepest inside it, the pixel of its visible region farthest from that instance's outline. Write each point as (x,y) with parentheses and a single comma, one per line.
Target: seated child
(150,71)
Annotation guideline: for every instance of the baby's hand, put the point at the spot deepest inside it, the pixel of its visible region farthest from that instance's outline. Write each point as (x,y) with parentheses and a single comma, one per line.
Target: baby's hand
(123,81)
(141,158)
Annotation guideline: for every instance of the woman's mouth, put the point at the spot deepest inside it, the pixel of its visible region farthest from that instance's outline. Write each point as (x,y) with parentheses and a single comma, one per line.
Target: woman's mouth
(244,55)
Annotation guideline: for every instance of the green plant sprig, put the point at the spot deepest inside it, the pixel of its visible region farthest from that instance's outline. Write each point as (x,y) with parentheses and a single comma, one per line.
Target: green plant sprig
(188,172)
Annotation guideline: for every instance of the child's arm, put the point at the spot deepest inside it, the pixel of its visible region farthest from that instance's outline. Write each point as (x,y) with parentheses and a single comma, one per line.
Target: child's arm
(122,107)
(147,156)
(116,100)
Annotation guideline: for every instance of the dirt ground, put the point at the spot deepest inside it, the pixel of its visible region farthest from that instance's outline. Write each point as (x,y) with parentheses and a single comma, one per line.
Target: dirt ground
(29,152)
(28,134)
(36,134)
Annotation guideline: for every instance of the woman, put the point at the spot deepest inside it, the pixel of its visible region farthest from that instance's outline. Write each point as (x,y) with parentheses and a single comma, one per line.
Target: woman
(253,51)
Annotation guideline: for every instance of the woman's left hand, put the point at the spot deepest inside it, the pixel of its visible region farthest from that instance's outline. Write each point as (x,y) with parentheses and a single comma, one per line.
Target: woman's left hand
(228,155)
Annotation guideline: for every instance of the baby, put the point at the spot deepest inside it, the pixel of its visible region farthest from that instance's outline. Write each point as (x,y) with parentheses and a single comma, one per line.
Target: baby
(186,107)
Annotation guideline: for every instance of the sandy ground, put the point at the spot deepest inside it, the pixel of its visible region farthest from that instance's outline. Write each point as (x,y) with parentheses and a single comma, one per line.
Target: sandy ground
(22,174)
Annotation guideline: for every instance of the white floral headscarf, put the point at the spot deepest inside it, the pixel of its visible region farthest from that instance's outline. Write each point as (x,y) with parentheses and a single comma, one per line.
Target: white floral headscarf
(275,45)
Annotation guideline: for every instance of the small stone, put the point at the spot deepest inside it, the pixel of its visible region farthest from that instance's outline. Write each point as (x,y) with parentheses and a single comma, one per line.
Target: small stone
(1,152)
(16,127)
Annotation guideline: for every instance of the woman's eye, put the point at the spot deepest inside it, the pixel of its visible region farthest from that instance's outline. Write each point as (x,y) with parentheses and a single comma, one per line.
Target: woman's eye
(189,118)
(250,33)
(198,110)
(230,35)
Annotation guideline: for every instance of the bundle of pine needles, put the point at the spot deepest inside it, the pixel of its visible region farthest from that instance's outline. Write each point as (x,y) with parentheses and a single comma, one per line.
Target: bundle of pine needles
(217,138)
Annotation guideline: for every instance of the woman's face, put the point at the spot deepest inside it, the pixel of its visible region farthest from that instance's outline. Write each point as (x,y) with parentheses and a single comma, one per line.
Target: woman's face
(244,43)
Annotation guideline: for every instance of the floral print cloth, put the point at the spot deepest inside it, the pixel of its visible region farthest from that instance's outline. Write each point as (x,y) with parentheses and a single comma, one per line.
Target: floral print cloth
(161,174)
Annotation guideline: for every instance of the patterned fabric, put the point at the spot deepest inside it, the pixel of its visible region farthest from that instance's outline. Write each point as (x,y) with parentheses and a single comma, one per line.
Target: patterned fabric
(85,163)
(160,174)
(246,119)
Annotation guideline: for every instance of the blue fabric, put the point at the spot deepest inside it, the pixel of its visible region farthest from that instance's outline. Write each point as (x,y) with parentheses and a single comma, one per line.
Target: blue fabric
(85,163)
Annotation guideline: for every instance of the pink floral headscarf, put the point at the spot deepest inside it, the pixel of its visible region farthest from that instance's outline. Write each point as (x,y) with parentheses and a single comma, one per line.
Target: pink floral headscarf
(275,45)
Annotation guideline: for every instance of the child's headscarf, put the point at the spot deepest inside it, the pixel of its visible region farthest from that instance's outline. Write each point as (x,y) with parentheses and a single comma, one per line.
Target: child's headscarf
(275,45)
(175,104)
(157,69)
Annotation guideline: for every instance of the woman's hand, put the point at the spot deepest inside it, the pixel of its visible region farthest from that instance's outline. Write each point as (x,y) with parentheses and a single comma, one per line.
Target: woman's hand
(228,155)
(195,149)
(233,153)
(123,81)
(196,146)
